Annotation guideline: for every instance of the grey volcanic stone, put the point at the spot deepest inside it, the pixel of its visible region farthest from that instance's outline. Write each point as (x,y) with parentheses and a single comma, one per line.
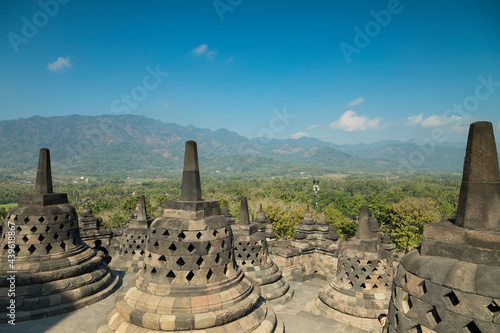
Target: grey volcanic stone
(191,186)
(479,200)
(244,217)
(364,230)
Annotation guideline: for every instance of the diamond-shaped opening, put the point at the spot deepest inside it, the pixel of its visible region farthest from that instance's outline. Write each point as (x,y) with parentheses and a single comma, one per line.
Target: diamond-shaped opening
(433,317)
(56,218)
(209,246)
(41,219)
(63,245)
(406,302)
(154,231)
(243,262)
(369,262)
(137,246)
(356,276)
(172,247)
(379,277)
(34,229)
(26,219)
(190,276)
(358,262)
(47,229)
(209,275)
(181,235)
(180,262)
(375,286)
(41,238)
(171,274)
(156,244)
(48,248)
(352,268)
(223,244)
(368,277)
(149,255)
(248,255)
(494,308)
(346,275)
(363,269)
(253,262)
(225,270)
(142,241)
(32,249)
(424,288)
(142,252)
(134,241)
(453,298)
(162,258)
(130,246)
(198,235)
(153,270)
(217,258)
(244,249)
(472,328)
(350,284)
(166,233)
(19,229)
(200,261)
(25,239)
(363,286)
(215,233)
(191,248)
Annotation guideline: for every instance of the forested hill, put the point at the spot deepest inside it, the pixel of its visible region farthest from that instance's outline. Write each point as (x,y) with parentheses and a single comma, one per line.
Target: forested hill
(126,144)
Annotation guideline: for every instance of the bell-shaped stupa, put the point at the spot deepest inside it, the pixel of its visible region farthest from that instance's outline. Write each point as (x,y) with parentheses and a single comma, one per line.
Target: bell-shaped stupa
(360,289)
(250,250)
(452,283)
(133,241)
(189,280)
(43,255)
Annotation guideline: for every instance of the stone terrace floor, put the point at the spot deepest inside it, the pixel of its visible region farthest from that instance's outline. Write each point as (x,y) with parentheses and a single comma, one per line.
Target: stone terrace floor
(88,319)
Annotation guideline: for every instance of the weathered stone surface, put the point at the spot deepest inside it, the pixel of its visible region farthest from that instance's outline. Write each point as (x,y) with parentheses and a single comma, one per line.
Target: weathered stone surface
(479,200)
(191,186)
(364,229)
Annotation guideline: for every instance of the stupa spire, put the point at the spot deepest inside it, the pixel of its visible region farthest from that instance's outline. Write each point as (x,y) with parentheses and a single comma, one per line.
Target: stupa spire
(44,175)
(479,199)
(364,229)
(141,212)
(191,185)
(244,217)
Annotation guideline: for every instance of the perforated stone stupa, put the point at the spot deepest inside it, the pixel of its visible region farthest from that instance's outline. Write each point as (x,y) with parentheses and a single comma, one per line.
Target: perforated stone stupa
(452,283)
(189,280)
(264,225)
(133,241)
(250,250)
(55,271)
(360,289)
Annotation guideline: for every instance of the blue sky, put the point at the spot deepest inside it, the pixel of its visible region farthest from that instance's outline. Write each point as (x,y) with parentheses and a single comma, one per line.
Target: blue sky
(344,72)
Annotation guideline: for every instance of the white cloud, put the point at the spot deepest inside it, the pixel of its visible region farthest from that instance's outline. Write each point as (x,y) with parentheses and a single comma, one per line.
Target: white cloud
(434,121)
(299,134)
(313,127)
(356,102)
(59,64)
(415,120)
(350,122)
(202,50)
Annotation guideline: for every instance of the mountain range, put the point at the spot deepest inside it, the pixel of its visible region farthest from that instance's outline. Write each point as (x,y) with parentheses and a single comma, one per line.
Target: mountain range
(137,145)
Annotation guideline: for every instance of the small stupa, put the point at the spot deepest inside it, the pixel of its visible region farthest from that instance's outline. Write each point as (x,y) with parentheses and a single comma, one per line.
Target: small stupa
(251,253)
(130,257)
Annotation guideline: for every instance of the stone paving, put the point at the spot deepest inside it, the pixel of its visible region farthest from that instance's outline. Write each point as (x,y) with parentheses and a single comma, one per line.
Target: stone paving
(87,320)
